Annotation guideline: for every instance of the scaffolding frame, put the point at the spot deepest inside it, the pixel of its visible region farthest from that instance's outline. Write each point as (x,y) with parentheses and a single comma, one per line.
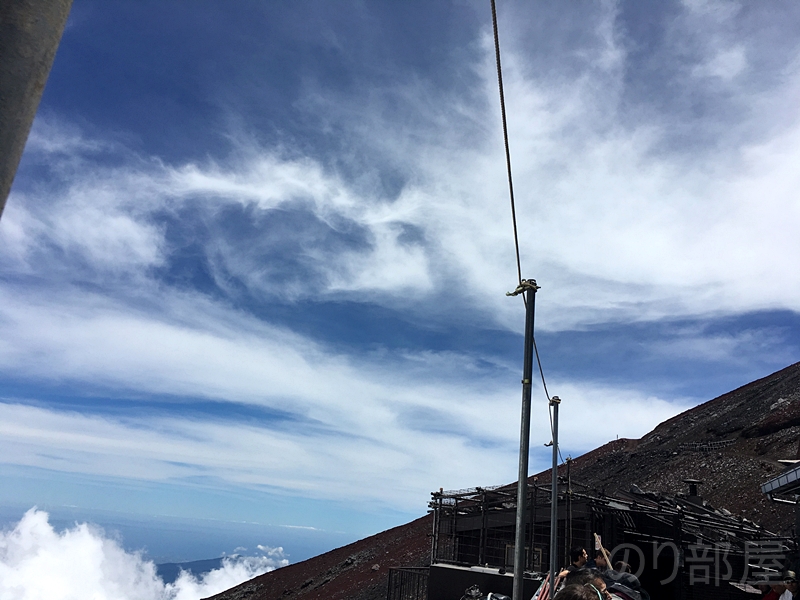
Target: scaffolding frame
(476,527)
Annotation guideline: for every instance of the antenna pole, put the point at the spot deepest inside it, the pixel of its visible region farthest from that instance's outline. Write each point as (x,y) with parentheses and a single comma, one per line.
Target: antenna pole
(554,402)
(528,287)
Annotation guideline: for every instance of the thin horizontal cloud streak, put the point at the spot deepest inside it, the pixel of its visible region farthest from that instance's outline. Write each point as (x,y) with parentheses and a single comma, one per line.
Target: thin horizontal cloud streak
(372,419)
(178,450)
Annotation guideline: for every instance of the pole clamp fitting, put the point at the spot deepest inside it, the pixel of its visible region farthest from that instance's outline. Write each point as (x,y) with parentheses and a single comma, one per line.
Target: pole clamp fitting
(525,285)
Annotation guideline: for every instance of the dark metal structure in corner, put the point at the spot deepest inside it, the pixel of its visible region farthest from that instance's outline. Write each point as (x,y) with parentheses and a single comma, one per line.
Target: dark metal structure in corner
(679,547)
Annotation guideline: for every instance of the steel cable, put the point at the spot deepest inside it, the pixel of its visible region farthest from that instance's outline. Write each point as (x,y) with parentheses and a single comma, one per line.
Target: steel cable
(511,195)
(505,137)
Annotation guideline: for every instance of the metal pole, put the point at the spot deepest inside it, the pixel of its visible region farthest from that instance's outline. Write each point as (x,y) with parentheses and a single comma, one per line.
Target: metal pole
(568,541)
(453,532)
(530,288)
(30,31)
(484,525)
(554,402)
(529,562)
(437,514)
(532,538)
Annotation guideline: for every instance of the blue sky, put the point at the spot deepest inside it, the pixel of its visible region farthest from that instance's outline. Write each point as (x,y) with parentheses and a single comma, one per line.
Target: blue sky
(253,266)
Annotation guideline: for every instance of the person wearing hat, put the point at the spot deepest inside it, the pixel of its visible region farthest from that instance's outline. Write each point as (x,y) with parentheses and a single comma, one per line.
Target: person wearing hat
(790,581)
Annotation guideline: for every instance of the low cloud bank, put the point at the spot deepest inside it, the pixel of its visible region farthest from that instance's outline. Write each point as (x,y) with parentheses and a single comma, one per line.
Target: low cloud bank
(37,562)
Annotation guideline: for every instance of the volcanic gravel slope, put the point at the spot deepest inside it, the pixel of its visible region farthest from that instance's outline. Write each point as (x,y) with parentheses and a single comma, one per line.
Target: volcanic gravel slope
(358,571)
(758,424)
(761,423)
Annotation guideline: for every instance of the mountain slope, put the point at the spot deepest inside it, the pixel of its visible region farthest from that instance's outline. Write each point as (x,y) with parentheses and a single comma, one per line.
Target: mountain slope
(357,571)
(732,444)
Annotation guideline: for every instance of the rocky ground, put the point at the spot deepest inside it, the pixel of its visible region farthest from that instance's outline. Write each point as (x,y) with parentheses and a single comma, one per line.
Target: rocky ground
(358,571)
(756,425)
(732,444)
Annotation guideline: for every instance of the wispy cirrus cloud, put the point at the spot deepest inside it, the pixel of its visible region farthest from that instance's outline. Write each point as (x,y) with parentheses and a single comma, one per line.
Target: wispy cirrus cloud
(360,465)
(608,226)
(335,426)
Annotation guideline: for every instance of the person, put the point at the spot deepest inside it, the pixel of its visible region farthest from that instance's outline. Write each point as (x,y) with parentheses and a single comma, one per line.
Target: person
(590,578)
(599,587)
(581,576)
(622,581)
(598,562)
(769,592)
(765,583)
(576,592)
(578,558)
(761,583)
(622,567)
(790,581)
(777,590)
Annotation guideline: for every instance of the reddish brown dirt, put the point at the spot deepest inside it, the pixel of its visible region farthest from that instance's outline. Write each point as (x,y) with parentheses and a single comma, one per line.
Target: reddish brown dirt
(761,419)
(358,571)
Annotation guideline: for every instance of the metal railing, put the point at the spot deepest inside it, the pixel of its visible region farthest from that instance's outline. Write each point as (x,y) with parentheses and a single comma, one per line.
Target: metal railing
(408,583)
(705,446)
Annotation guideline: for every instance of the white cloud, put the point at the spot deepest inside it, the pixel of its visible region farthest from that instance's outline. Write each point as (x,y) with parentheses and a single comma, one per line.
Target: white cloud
(738,348)
(593,415)
(355,425)
(726,64)
(51,135)
(38,562)
(611,226)
(90,229)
